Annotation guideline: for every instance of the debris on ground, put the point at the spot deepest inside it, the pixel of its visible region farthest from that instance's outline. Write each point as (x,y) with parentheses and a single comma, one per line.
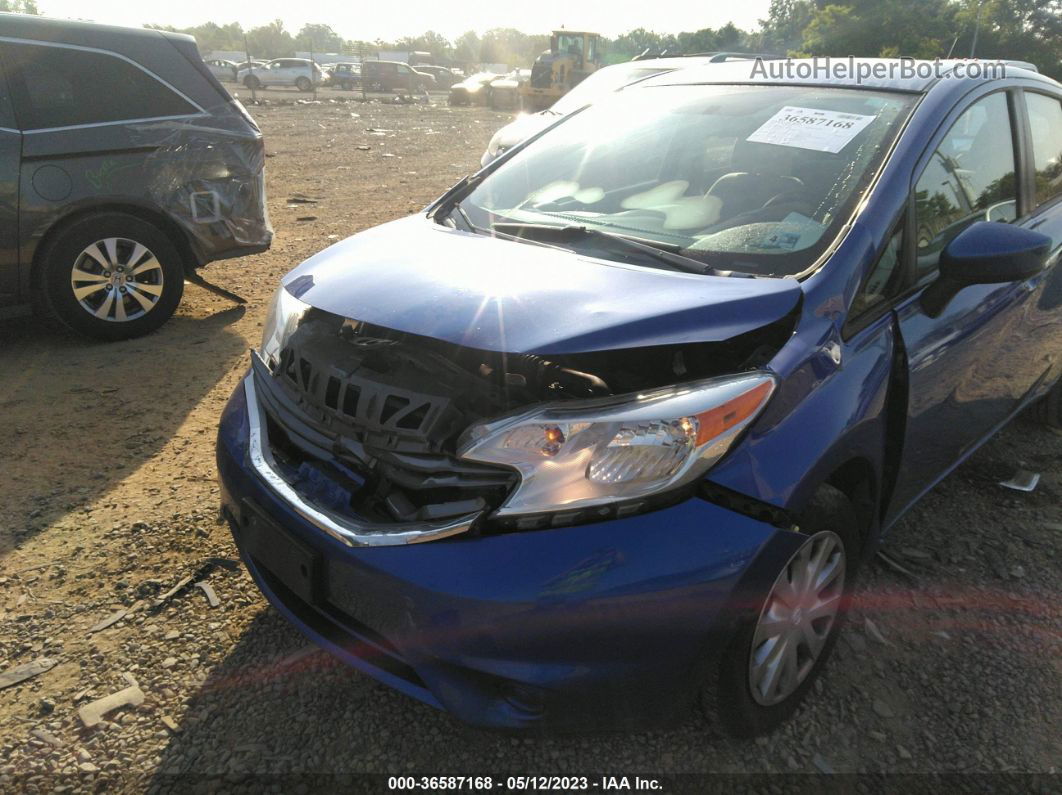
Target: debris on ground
(47,737)
(92,713)
(21,673)
(212,598)
(112,619)
(1023,480)
(895,565)
(874,632)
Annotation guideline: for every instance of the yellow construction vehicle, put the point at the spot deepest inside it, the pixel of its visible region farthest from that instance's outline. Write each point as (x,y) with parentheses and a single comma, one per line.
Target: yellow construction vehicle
(572,55)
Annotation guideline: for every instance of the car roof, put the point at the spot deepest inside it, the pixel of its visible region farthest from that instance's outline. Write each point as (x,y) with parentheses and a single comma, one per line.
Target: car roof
(766,73)
(669,63)
(69,31)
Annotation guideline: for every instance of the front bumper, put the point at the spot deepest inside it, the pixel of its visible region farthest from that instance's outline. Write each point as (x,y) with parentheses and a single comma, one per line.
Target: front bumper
(600,625)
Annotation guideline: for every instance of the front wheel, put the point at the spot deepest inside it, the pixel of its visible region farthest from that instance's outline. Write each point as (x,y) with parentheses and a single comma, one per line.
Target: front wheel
(776,654)
(252,83)
(303,84)
(112,276)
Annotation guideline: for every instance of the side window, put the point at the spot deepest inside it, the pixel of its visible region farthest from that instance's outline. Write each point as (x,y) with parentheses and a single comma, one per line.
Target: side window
(969,178)
(880,284)
(1045,123)
(60,87)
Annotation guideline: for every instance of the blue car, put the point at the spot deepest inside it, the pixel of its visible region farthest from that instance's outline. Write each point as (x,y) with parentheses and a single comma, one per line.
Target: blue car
(611,428)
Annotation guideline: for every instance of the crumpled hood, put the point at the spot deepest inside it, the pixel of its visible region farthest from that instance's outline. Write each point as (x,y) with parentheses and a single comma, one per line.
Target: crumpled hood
(416,276)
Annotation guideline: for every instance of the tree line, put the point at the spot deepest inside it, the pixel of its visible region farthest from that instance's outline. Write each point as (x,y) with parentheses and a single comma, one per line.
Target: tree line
(1029,30)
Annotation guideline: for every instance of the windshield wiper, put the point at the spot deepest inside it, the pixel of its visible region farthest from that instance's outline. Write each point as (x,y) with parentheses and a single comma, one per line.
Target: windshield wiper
(661,252)
(460,212)
(452,199)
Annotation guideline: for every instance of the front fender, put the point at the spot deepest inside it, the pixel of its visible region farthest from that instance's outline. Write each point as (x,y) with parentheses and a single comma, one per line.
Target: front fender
(828,411)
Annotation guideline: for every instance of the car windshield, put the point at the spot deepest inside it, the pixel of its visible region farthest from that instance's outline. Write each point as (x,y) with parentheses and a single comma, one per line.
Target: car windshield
(755,179)
(603,82)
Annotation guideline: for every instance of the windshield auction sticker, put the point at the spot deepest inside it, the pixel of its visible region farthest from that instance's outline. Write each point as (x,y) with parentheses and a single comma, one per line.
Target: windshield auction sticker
(808,128)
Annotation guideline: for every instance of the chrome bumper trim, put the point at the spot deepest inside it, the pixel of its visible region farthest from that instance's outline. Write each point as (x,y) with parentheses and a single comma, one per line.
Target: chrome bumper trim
(352,534)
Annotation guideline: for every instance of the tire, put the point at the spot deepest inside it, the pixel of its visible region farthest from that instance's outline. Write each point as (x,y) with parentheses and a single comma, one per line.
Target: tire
(1048,409)
(252,83)
(734,697)
(346,86)
(82,256)
(303,84)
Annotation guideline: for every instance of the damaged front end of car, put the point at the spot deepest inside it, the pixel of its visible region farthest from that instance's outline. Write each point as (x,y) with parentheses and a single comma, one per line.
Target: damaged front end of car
(385,437)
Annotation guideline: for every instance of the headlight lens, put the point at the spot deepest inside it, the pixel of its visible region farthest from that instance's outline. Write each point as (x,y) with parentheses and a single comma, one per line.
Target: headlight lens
(284,315)
(586,453)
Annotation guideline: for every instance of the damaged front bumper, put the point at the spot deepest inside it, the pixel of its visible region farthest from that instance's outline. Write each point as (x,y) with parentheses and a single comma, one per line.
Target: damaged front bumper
(599,625)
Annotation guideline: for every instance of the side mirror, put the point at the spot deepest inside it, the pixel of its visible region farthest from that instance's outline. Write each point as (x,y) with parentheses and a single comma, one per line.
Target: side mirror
(986,252)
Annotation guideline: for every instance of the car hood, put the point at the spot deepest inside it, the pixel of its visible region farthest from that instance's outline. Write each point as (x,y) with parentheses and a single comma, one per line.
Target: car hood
(416,276)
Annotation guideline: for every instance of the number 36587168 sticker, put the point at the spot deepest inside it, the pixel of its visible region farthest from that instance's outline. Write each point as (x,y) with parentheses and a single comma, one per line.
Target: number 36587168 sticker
(809,128)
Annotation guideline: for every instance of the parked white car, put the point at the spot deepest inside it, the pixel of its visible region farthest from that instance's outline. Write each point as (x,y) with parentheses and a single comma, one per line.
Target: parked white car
(600,83)
(222,69)
(301,73)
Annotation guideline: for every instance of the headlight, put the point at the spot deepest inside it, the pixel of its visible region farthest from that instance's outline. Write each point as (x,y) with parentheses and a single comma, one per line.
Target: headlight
(281,322)
(586,453)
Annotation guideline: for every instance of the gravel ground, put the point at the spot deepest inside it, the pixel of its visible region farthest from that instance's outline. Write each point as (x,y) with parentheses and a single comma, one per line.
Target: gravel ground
(108,502)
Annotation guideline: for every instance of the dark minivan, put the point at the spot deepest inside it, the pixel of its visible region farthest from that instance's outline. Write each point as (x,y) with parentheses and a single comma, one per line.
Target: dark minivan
(124,166)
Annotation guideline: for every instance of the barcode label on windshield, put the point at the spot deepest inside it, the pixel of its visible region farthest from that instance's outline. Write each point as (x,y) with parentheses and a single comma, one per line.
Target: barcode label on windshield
(808,128)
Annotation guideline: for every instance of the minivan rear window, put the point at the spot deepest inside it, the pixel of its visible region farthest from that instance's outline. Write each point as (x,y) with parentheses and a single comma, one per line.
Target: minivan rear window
(63,86)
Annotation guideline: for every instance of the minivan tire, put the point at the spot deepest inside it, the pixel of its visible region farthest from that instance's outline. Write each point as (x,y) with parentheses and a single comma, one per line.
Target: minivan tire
(1048,409)
(729,697)
(303,84)
(252,83)
(67,251)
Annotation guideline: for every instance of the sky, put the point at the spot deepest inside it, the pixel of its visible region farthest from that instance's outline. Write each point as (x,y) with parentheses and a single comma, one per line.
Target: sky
(369,21)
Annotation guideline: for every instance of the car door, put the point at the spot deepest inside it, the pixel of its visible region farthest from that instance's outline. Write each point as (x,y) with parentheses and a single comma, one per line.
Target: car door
(405,78)
(969,367)
(274,75)
(10,156)
(1043,322)
(389,76)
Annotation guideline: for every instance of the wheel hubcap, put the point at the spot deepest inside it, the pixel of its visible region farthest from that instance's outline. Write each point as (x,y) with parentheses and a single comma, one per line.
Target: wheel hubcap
(797,618)
(117,279)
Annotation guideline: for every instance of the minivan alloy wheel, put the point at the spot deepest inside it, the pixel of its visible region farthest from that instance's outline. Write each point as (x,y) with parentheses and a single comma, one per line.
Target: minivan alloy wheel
(117,279)
(797,618)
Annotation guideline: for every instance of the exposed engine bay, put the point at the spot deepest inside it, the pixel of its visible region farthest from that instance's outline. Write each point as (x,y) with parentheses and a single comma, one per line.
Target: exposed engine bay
(368,418)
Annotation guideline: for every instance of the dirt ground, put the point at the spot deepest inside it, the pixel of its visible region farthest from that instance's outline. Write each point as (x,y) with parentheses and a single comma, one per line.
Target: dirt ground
(108,499)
